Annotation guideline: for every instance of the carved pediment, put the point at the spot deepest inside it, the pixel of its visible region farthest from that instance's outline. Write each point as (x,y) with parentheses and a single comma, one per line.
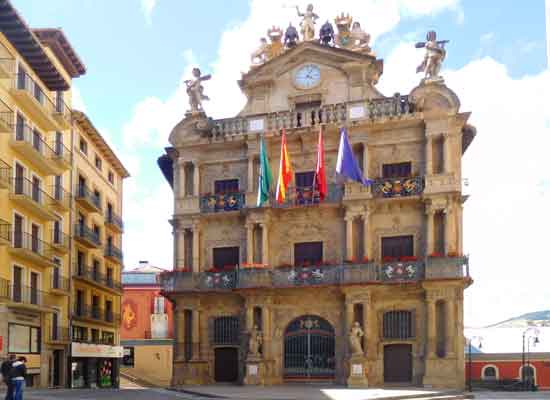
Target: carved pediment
(435,98)
(191,129)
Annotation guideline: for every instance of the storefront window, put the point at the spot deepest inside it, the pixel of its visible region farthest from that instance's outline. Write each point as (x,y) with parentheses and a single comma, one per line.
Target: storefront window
(105,372)
(23,339)
(79,373)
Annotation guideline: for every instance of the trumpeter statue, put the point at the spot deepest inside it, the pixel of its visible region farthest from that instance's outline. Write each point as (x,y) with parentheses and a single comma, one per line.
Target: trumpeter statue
(434,57)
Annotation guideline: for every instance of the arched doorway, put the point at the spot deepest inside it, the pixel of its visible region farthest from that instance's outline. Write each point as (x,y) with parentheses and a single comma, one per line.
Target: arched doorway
(309,346)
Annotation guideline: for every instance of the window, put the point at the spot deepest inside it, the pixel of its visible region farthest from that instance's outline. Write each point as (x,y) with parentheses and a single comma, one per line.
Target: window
(489,373)
(438,156)
(158,305)
(59,102)
(308,253)
(108,338)
(226,186)
(111,177)
(83,146)
(398,325)
(397,246)
(441,327)
(226,257)
(226,330)
(188,334)
(98,162)
(95,335)
(23,339)
(397,170)
(304,179)
(80,333)
(20,127)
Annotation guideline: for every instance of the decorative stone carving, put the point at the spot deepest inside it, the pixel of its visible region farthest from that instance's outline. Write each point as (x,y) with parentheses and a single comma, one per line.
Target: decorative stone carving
(435,54)
(195,90)
(275,34)
(344,38)
(254,342)
(355,335)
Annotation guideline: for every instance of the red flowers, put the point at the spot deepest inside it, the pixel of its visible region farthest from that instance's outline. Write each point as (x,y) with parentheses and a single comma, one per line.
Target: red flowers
(408,258)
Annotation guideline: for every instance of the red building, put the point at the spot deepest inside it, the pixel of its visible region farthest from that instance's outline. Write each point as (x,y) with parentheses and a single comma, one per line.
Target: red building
(501,355)
(146,330)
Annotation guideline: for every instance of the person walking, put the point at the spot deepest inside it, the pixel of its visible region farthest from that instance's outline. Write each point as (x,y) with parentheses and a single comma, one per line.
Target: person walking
(6,369)
(18,374)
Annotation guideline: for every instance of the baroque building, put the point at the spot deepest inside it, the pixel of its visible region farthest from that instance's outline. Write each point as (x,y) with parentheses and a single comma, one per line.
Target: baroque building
(364,287)
(46,147)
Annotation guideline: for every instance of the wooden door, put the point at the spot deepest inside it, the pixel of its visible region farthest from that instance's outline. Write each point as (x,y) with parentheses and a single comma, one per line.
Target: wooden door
(226,364)
(398,363)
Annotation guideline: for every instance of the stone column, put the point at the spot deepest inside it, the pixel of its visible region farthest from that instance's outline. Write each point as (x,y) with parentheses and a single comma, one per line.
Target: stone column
(349,237)
(266,331)
(265,243)
(447,145)
(196,178)
(249,317)
(365,160)
(250,182)
(196,248)
(180,177)
(429,231)
(449,238)
(249,243)
(431,336)
(450,328)
(371,329)
(180,248)
(429,161)
(195,334)
(366,237)
(458,221)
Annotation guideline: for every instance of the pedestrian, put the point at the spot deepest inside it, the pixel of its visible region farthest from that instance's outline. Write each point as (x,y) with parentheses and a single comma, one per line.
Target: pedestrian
(18,374)
(6,369)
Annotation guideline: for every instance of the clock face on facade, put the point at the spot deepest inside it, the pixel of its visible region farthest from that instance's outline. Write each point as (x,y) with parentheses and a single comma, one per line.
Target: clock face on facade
(307,76)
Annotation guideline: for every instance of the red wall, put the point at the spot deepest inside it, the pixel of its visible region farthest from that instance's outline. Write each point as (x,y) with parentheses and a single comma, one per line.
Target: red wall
(140,302)
(510,370)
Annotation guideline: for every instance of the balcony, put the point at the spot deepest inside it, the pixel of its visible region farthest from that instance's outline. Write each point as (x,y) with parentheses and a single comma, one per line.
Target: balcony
(114,222)
(31,248)
(29,143)
(34,101)
(61,199)
(60,285)
(87,199)
(30,196)
(398,187)
(96,278)
(29,298)
(60,241)
(5,233)
(305,196)
(322,275)
(62,113)
(447,267)
(5,175)
(220,202)
(58,335)
(95,314)
(114,254)
(86,237)
(6,115)
(61,155)
(395,108)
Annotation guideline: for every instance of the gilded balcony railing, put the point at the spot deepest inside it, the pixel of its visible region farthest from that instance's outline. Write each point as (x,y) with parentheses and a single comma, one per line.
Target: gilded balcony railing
(218,202)
(309,195)
(398,187)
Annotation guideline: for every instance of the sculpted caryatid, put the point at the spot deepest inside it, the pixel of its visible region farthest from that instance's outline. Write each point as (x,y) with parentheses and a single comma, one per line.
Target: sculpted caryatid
(308,22)
(355,335)
(195,90)
(254,342)
(435,54)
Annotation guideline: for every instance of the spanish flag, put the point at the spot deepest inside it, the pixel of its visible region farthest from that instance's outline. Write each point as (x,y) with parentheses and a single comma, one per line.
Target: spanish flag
(285,172)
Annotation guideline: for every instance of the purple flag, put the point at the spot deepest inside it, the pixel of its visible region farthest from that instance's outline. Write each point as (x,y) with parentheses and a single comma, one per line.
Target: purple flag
(346,165)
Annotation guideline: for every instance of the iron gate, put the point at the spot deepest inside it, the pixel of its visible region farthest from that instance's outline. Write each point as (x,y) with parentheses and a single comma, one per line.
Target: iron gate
(309,349)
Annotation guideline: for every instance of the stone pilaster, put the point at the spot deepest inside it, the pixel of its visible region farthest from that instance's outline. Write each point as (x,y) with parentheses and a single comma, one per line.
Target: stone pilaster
(265,243)
(349,237)
(196,247)
(196,178)
(429,230)
(249,243)
(450,327)
(429,153)
(250,171)
(195,334)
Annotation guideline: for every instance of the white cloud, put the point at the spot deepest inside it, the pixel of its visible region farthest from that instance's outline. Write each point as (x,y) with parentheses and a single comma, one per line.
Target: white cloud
(147,7)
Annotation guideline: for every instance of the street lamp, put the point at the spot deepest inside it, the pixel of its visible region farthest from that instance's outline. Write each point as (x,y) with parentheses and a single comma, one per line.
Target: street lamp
(530,333)
(479,339)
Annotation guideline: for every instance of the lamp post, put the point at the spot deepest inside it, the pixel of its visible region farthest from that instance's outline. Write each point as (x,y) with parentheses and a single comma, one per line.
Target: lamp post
(479,339)
(529,333)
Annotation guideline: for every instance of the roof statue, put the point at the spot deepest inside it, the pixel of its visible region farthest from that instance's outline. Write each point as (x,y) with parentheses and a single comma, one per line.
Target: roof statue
(195,91)
(360,38)
(435,54)
(308,23)
(275,34)
(326,34)
(343,38)
(291,36)
(260,55)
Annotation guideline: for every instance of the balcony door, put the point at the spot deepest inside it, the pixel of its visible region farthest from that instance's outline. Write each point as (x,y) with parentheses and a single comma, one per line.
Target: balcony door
(20,128)
(57,237)
(59,143)
(18,231)
(81,186)
(17,284)
(34,285)
(55,326)
(35,238)
(226,257)
(397,246)
(226,186)
(19,178)
(37,140)
(79,306)
(308,253)
(21,78)
(56,284)
(95,307)
(36,192)
(58,188)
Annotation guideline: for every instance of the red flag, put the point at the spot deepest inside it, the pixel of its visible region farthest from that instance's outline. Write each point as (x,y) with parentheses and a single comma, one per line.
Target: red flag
(320,177)
(285,172)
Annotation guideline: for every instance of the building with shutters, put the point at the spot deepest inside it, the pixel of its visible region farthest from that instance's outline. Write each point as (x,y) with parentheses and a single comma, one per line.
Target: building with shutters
(300,274)
(146,329)
(48,311)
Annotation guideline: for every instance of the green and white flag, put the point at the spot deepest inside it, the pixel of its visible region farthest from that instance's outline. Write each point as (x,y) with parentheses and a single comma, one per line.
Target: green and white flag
(265,179)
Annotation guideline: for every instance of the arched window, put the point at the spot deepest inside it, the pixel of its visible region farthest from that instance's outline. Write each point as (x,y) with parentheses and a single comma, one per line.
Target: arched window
(528,372)
(489,373)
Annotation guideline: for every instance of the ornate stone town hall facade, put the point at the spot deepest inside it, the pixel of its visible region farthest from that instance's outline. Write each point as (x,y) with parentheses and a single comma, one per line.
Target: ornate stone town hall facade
(364,287)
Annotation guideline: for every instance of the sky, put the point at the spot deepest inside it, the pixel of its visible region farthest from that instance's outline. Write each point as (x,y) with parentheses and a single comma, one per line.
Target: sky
(138,52)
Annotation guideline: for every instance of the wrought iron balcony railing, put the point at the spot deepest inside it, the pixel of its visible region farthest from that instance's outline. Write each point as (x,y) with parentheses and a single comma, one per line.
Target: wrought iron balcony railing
(61,152)
(5,174)
(60,282)
(5,231)
(6,114)
(62,109)
(289,277)
(218,202)
(29,295)
(309,195)
(84,193)
(30,242)
(114,219)
(60,239)
(59,334)
(393,107)
(85,272)
(23,81)
(113,252)
(83,232)
(398,187)
(31,190)
(60,196)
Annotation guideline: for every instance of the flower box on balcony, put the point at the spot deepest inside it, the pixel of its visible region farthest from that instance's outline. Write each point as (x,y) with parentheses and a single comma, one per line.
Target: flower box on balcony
(253,266)
(388,259)
(436,255)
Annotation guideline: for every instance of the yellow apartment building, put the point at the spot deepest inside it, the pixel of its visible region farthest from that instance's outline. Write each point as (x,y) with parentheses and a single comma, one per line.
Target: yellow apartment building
(40,206)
